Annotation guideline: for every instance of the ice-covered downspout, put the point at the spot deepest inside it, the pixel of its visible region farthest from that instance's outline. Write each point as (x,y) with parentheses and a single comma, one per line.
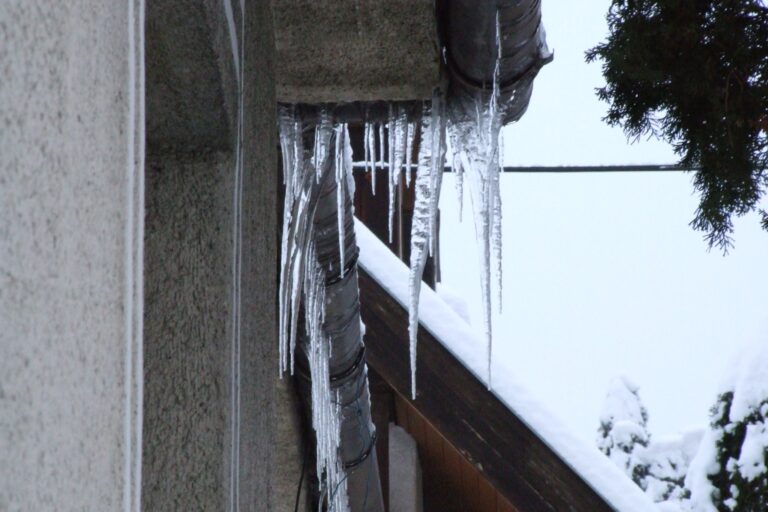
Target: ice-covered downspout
(319,276)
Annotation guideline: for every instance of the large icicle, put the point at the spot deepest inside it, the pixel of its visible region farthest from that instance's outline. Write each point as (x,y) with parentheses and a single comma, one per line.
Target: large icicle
(475,131)
(428,180)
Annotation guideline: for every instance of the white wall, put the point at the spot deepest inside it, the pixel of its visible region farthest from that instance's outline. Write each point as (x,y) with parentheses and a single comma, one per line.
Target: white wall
(70,254)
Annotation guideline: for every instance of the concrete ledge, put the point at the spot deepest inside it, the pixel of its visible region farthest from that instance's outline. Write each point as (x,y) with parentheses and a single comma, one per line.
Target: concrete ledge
(355,50)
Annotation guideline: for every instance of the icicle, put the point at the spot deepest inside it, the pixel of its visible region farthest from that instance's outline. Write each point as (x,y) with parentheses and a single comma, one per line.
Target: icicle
(494,137)
(322,139)
(366,148)
(294,227)
(397,135)
(316,158)
(457,166)
(372,144)
(401,136)
(348,165)
(419,241)
(482,198)
(341,182)
(382,158)
(497,225)
(437,164)
(391,172)
(409,153)
(428,179)
(474,129)
(396,166)
(479,157)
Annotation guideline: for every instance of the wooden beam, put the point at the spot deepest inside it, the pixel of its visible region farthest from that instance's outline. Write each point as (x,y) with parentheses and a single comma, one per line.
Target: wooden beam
(497,442)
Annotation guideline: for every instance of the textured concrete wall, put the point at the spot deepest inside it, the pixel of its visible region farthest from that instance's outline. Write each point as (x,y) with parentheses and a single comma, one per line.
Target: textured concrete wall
(221,431)
(355,50)
(68,252)
(190,75)
(270,436)
(187,322)
(189,347)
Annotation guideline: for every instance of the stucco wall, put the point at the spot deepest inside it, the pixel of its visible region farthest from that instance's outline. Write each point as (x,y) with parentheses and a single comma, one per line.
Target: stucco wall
(187,333)
(68,254)
(221,432)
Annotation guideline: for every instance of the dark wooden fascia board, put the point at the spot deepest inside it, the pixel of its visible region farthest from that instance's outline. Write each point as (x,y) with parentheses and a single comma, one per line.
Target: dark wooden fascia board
(495,440)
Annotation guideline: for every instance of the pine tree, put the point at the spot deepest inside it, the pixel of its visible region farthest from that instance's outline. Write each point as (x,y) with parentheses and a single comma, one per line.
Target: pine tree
(695,73)
(741,481)
(623,432)
(730,473)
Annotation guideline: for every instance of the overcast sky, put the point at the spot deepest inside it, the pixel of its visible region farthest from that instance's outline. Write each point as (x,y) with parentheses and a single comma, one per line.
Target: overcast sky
(603,275)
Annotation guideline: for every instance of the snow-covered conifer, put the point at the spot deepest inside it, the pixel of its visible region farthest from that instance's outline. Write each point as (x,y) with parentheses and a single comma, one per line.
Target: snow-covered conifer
(623,433)
(730,472)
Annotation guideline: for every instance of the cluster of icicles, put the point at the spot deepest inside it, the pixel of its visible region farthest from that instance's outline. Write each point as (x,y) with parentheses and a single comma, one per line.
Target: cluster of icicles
(302,276)
(475,152)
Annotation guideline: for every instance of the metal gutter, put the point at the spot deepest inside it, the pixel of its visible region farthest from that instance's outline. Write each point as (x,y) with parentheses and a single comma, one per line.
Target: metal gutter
(468,31)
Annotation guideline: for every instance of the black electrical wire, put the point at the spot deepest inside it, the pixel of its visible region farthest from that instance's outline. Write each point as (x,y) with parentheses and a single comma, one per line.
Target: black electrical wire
(301,479)
(568,169)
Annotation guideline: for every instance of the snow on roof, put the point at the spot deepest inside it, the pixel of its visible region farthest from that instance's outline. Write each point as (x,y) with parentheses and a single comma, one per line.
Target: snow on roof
(465,344)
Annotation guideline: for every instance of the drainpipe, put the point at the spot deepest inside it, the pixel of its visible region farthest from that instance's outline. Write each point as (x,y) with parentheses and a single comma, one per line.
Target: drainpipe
(347,367)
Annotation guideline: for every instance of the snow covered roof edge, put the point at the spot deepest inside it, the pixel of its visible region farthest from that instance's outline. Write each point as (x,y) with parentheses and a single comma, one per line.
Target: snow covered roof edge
(459,338)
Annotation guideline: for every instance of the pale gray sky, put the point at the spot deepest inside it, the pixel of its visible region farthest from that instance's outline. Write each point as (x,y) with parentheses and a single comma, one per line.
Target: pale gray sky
(603,275)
